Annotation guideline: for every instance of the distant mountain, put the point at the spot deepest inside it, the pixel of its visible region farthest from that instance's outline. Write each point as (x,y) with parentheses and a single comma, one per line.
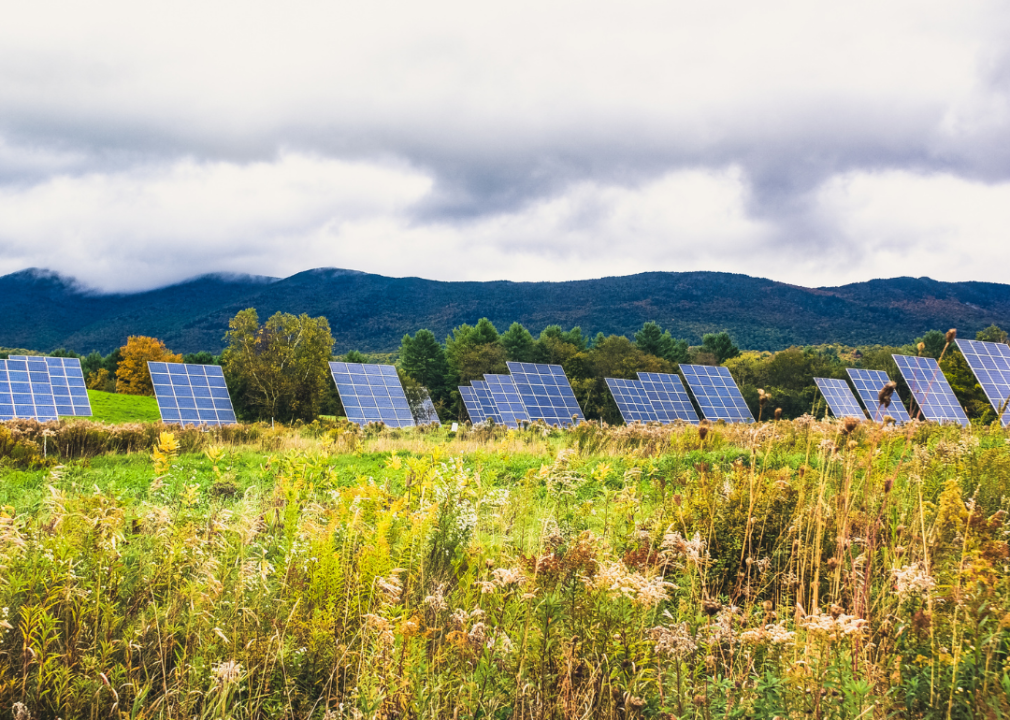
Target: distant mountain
(42,310)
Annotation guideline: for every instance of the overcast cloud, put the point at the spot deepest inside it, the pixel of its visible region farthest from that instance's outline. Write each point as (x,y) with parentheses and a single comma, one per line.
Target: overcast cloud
(144,143)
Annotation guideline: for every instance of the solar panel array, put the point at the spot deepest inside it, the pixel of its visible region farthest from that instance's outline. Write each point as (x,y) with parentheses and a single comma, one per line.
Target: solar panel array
(191,394)
(546,393)
(991,364)
(472,404)
(505,396)
(717,393)
(487,405)
(668,396)
(930,389)
(632,401)
(25,390)
(421,406)
(868,384)
(372,393)
(840,398)
(69,388)
(66,380)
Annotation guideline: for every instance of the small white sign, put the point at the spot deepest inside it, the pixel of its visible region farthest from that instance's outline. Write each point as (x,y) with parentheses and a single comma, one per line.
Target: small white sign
(455,427)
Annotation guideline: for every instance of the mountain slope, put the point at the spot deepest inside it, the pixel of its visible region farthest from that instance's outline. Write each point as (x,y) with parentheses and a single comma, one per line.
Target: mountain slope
(371,312)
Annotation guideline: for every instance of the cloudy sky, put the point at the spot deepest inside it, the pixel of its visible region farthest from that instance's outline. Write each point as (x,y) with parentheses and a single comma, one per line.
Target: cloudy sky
(813,143)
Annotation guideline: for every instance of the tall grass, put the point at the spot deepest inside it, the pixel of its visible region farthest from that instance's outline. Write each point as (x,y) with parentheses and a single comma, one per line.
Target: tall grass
(789,569)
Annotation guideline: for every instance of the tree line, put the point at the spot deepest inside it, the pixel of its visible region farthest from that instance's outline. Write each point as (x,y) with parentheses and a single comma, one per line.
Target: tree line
(278,369)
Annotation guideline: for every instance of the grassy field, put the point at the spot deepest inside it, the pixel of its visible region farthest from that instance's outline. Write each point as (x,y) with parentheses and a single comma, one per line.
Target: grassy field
(115,408)
(796,569)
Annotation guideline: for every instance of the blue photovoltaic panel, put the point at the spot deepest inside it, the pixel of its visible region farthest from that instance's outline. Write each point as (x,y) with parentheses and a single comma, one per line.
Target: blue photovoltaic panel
(25,391)
(487,404)
(372,393)
(716,392)
(668,396)
(991,364)
(69,389)
(67,380)
(505,397)
(191,394)
(632,401)
(930,389)
(472,403)
(421,406)
(840,399)
(546,393)
(868,384)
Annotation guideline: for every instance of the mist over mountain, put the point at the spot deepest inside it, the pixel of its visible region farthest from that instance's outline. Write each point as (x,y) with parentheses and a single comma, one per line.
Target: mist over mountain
(42,310)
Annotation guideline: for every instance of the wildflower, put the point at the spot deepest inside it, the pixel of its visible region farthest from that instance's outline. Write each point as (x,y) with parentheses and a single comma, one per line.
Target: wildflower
(722,631)
(436,601)
(770,634)
(390,588)
(673,642)
(830,627)
(485,586)
(503,577)
(615,579)
(382,627)
(227,673)
(912,580)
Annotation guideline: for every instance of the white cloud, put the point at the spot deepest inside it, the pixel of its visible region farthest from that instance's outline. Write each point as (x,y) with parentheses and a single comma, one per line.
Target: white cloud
(903,223)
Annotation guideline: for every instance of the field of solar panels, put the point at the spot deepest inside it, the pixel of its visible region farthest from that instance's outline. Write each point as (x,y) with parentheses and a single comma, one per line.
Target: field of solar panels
(701,558)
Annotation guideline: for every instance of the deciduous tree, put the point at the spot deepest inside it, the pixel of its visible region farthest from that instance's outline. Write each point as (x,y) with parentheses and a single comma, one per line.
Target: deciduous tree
(278,370)
(132,375)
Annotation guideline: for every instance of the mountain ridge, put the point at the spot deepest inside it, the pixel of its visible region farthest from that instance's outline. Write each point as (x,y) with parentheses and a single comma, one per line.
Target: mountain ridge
(44,310)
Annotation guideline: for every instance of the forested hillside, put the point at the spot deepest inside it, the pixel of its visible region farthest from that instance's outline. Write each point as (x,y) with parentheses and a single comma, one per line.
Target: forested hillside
(371,313)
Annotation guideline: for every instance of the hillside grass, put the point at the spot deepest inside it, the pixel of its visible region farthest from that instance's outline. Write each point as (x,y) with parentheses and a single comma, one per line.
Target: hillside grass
(792,569)
(116,408)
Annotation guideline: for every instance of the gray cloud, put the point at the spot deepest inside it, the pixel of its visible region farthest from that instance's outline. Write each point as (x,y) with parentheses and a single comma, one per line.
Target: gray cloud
(139,146)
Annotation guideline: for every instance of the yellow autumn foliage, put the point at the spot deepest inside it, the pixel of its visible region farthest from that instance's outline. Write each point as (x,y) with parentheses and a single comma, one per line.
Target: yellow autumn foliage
(132,375)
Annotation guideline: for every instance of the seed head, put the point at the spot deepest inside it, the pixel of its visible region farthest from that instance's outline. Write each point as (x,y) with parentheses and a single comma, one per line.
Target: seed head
(849,425)
(920,347)
(778,413)
(884,396)
(951,335)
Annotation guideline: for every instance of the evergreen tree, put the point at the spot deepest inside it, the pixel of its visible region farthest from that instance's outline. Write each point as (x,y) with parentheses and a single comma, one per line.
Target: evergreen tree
(720,346)
(652,340)
(518,343)
(422,357)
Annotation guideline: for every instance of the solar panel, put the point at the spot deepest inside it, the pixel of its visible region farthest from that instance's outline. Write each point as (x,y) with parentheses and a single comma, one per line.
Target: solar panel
(67,380)
(868,384)
(840,398)
(372,393)
(487,404)
(25,390)
(191,394)
(930,389)
(505,397)
(991,364)
(421,406)
(546,393)
(472,403)
(632,401)
(716,392)
(668,396)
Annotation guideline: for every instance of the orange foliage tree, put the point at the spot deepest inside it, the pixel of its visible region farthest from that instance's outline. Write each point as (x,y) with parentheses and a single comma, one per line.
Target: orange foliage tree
(132,376)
